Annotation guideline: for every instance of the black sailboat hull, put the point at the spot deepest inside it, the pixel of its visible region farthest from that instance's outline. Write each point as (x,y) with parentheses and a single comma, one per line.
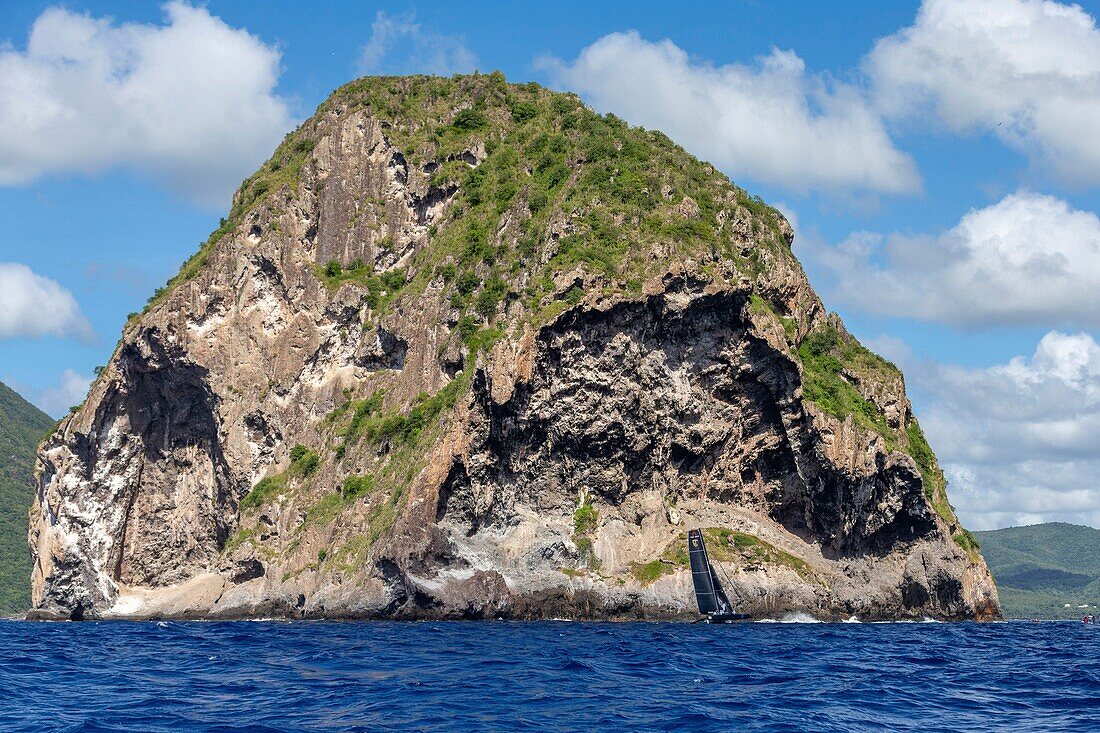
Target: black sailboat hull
(726,618)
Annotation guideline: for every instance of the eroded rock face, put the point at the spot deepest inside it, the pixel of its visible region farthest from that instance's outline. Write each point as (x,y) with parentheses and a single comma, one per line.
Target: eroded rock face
(540,460)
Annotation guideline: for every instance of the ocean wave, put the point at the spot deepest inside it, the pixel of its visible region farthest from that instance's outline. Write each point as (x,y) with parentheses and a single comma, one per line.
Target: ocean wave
(319,676)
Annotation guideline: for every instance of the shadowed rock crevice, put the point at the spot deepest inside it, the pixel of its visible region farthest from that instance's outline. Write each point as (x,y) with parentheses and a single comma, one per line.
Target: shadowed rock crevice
(184,476)
(381,349)
(691,401)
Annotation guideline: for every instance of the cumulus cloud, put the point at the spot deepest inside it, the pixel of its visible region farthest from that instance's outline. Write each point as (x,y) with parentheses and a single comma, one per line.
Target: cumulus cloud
(399,45)
(32,305)
(1027,70)
(1028,259)
(190,102)
(71,389)
(771,121)
(1018,441)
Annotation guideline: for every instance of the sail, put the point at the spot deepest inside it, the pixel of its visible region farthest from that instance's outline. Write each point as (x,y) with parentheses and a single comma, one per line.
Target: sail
(719,594)
(702,575)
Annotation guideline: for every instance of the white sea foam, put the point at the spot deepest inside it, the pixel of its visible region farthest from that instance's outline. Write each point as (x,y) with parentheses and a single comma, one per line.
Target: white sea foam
(799,618)
(791,618)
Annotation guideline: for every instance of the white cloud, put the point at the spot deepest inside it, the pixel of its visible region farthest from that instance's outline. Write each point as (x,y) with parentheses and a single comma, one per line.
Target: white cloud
(32,305)
(771,121)
(1027,70)
(1028,259)
(1018,441)
(399,45)
(55,401)
(190,103)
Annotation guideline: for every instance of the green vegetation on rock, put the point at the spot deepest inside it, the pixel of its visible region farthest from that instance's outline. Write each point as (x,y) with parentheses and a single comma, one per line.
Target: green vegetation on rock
(547,156)
(22,426)
(238,538)
(267,489)
(826,359)
(725,545)
(762,307)
(303,463)
(400,434)
(325,509)
(356,486)
(833,364)
(585,521)
(382,288)
(1041,568)
(371,423)
(747,551)
(646,573)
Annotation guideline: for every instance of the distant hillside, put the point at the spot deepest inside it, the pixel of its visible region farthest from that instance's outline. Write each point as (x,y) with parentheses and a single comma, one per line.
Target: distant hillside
(22,425)
(1042,567)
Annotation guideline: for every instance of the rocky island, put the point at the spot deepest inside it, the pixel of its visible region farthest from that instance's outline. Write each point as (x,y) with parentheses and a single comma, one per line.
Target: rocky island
(467,349)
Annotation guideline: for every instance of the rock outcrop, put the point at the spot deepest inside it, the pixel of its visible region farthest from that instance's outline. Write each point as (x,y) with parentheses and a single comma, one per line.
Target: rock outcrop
(467,349)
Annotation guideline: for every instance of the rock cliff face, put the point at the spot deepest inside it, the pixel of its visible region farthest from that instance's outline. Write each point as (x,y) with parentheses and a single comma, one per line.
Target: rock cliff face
(467,349)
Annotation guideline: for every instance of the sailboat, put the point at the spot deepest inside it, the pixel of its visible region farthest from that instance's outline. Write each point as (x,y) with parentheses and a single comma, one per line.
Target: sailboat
(712,600)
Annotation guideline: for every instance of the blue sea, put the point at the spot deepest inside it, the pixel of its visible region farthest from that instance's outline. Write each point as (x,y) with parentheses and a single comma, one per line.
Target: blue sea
(553,676)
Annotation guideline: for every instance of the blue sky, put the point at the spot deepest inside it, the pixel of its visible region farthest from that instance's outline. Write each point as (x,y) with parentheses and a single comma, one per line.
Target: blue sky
(939,162)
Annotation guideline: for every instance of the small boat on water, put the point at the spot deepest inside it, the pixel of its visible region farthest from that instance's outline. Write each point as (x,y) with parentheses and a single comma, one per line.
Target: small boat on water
(712,600)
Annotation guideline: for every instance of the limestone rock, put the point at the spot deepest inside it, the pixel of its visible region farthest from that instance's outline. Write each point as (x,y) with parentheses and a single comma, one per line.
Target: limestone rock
(465,349)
